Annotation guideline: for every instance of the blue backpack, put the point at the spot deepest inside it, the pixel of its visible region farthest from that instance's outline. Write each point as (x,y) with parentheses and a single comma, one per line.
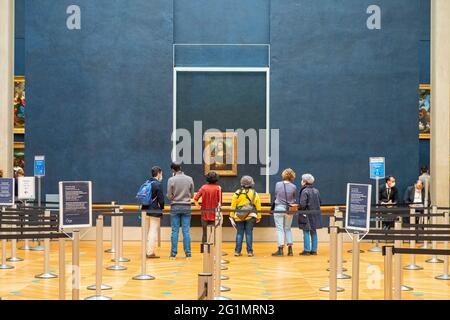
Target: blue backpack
(144,194)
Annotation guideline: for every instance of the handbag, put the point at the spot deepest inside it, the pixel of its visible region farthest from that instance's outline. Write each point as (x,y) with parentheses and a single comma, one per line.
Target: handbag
(291,207)
(303,222)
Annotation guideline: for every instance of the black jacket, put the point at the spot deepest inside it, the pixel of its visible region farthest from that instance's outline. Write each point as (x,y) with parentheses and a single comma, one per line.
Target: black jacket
(310,200)
(393,195)
(158,199)
(410,193)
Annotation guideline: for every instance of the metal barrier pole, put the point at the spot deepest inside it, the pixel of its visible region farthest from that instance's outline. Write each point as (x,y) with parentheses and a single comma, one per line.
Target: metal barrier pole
(113,233)
(388,273)
(398,258)
(205,286)
(327,288)
(26,245)
(218,288)
(445,275)
(4,265)
(340,244)
(116,266)
(46,274)
(120,237)
(355,267)
(76,265)
(14,257)
(143,275)
(98,263)
(62,268)
(412,244)
(434,258)
(378,225)
(333,262)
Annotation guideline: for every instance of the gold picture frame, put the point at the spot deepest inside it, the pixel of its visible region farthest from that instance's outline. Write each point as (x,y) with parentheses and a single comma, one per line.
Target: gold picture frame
(220,153)
(19,104)
(424,134)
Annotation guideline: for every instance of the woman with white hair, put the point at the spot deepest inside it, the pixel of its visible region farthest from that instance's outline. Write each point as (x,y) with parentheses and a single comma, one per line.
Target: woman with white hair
(309,223)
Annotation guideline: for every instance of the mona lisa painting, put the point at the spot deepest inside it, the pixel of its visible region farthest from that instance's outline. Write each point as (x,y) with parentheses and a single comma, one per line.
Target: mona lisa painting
(220,153)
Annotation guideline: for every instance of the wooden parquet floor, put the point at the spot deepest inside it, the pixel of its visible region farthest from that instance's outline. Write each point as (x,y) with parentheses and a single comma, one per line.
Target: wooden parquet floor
(260,277)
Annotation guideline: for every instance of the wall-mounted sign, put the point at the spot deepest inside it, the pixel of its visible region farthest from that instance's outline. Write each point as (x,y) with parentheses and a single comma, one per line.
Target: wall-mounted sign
(75,204)
(6,192)
(39,166)
(377,168)
(358,207)
(26,189)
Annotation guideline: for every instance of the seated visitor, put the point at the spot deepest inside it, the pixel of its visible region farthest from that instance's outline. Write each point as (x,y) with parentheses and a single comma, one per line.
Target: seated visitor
(211,195)
(415,194)
(156,204)
(245,199)
(425,176)
(309,223)
(284,199)
(180,190)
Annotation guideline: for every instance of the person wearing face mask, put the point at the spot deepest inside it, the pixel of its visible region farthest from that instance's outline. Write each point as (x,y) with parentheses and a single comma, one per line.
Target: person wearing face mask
(157,205)
(388,194)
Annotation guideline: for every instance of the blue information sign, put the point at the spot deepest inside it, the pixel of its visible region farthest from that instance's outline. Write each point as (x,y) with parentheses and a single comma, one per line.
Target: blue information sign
(6,192)
(358,207)
(39,166)
(377,168)
(75,204)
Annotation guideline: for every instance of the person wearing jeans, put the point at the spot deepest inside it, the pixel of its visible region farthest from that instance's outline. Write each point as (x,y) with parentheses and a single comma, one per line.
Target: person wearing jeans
(285,195)
(245,200)
(180,216)
(180,190)
(309,222)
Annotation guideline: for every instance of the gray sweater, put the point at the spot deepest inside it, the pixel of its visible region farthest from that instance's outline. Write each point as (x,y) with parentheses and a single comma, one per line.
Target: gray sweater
(285,196)
(180,189)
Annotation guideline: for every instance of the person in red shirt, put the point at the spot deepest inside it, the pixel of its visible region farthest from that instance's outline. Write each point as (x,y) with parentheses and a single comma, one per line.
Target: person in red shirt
(211,195)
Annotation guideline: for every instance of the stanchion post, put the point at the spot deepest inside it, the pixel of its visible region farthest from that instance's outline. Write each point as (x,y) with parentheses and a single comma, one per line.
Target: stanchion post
(388,273)
(205,286)
(13,257)
(434,258)
(340,251)
(445,275)
(143,275)
(398,257)
(113,233)
(333,262)
(117,266)
(62,268)
(98,261)
(355,267)
(76,265)
(412,243)
(46,274)
(4,265)
(218,288)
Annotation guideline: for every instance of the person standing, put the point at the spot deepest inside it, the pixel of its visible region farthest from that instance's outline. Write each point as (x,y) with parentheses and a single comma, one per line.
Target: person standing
(309,223)
(245,199)
(154,210)
(388,195)
(285,196)
(211,195)
(180,190)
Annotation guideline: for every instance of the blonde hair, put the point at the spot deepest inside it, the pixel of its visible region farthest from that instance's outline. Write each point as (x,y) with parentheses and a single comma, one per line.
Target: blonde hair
(288,174)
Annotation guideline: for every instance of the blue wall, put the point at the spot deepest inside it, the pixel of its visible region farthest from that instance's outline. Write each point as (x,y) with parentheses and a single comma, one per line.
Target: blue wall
(100,99)
(19,53)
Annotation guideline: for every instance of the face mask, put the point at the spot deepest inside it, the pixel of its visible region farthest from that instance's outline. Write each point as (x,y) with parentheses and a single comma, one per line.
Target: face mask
(393,185)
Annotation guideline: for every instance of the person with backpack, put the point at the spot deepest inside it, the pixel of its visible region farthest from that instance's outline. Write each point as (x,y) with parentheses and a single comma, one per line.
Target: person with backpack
(152,199)
(309,223)
(246,200)
(180,190)
(211,195)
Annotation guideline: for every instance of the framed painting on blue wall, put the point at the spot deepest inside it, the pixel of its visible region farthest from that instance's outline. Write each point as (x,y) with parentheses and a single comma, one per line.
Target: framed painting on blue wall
(424,111)
(220,153)
(19,105)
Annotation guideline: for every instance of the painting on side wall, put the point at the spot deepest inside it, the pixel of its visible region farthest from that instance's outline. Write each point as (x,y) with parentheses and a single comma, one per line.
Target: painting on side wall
(19,105)
(19,158)
(220,153)
(424,111)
